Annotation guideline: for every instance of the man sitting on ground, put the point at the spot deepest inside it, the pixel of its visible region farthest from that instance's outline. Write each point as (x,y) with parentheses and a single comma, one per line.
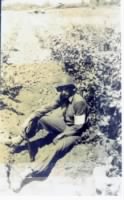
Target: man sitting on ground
(66,128)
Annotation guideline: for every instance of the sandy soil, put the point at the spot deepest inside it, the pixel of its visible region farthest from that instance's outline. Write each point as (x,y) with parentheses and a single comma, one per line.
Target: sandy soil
(27,61)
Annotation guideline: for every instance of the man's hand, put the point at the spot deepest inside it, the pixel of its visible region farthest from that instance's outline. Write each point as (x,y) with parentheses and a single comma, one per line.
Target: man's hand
(58,137)
(15,141)
(33,116)
(37,114)
(30,120)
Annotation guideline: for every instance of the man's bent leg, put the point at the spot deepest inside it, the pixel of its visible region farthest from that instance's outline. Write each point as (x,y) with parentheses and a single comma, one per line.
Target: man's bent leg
(51,124)
(55,125)
(55,152)
(43,168)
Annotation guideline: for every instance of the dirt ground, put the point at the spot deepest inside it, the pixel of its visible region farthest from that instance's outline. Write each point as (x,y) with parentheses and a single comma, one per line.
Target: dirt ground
(27,62)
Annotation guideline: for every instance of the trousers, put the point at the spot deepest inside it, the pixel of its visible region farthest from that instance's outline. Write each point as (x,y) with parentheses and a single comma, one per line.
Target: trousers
(56,151)
(54,125)
(41,168)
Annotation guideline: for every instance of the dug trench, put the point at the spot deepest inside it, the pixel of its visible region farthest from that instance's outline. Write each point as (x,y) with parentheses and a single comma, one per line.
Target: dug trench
(38,55)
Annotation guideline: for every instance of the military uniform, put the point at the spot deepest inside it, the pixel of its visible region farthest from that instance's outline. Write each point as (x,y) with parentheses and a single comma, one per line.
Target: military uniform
(65,126)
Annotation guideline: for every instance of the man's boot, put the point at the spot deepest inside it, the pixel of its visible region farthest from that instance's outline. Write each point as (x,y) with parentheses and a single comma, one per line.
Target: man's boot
(16,142)
(18,176)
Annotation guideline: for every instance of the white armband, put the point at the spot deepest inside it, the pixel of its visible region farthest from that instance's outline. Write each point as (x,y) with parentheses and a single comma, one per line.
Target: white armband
(79,119)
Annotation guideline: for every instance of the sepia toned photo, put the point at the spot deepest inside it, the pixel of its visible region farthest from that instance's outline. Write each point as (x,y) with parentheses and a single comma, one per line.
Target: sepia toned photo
(60,98)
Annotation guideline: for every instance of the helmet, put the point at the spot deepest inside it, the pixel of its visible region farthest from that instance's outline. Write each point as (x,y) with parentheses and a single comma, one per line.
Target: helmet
(67,81)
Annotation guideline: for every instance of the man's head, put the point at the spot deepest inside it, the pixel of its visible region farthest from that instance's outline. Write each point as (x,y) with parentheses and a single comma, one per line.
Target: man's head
(66,87)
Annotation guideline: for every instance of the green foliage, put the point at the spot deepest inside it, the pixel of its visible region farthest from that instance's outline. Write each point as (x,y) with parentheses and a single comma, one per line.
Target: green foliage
(92,56)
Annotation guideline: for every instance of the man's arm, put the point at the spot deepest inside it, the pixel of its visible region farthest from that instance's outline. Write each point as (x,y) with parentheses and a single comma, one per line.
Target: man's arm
(38,114)
(47,109)
(71,130)
(79,120)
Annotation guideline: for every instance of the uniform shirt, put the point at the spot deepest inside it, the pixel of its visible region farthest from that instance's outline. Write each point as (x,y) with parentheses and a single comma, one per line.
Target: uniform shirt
(76,108)
(75,112)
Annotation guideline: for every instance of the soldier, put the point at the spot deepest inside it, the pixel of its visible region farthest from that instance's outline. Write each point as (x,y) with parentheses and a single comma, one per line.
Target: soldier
(65,127)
